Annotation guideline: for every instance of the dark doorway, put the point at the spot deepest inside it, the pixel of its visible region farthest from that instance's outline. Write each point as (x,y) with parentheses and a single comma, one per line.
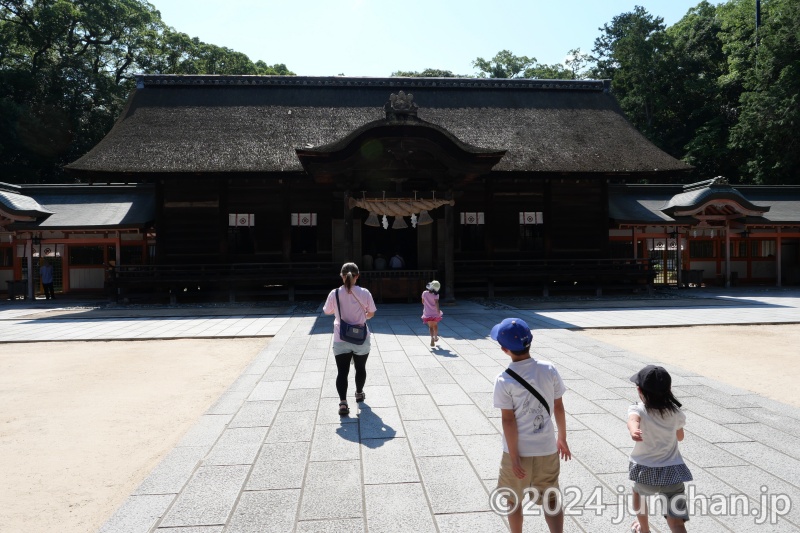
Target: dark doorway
(376,240)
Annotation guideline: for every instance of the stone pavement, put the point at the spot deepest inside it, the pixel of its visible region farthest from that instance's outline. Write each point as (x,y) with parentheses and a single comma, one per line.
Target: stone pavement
(422,452)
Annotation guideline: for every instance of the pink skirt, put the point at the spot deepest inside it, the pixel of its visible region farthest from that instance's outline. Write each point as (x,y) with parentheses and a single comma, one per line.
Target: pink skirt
(426,319)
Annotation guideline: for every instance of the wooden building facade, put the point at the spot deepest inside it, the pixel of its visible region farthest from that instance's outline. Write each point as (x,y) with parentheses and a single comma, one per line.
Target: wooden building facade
(710,232)
(83,231)
(266,183)
(287,171)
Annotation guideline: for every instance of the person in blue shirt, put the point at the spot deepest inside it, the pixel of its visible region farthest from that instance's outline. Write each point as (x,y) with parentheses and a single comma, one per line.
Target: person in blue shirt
(46,275)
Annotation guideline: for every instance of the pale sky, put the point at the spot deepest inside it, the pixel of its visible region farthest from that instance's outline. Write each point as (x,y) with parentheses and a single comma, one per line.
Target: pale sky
(378,37)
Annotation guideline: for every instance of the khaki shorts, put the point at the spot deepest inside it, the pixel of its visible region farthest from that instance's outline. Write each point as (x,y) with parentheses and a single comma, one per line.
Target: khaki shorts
(541,473)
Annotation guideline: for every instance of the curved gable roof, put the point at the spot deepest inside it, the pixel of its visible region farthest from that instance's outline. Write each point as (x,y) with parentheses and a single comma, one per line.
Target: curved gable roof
(716,190)
(400,138)
(643,204)
(16,205)
(177,124)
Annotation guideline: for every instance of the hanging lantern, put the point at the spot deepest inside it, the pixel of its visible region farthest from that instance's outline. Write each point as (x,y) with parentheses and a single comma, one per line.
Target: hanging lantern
(372,220)
(399,223)
(413,220)
(424,218)
(385,222)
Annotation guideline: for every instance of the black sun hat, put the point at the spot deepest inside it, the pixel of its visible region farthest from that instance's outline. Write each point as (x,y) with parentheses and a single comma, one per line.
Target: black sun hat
(653,378)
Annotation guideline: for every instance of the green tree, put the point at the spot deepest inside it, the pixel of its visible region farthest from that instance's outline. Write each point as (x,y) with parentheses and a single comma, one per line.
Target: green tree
(768,126)
(699,108)
(548,72)
(629,51)
(427,73)
(62,70)
(503,65)
(710,89)
(578,64)
(67,66)
(278,69)
(507,65)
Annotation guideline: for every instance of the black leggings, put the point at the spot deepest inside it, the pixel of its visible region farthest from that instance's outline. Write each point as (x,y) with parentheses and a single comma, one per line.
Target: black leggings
(343,364)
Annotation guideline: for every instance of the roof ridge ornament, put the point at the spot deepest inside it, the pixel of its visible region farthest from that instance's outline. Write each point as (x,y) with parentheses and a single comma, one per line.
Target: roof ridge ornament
(400,106)
(719,180)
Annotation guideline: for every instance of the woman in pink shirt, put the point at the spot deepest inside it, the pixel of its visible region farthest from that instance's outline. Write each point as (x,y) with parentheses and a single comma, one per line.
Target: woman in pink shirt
(353,305)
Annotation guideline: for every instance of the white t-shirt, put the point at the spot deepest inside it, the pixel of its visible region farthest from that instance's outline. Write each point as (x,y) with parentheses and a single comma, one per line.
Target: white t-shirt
(535,429)
(659,444)
(352,311)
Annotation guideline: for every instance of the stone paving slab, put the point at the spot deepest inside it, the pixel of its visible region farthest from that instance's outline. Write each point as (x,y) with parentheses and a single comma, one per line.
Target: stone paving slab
(422,452)
(427,427)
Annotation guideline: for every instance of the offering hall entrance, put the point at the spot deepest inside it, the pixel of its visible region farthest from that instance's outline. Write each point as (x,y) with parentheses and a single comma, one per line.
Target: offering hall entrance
(663,254)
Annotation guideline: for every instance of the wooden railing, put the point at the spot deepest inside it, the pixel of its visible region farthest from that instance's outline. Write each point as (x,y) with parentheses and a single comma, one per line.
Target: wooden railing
(254,279)
(290,279)
(404,285)
(555,274)
(214,279)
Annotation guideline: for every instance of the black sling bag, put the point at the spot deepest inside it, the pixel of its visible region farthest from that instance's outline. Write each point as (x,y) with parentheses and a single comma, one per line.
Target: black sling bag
(352,333)
(529,387)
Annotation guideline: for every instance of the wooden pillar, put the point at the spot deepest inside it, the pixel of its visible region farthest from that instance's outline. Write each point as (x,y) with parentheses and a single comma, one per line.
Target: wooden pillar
(449,250)
(65,281)
(222,219)
(285,222)
(159,224)
(547,212)
(778,260)
(29,257)
(635,247)
(348,230)
(118,254)
(727,256)
(488,207)
(678,257)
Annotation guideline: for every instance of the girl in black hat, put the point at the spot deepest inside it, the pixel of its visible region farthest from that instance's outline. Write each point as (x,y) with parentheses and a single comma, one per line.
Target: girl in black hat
(656,466)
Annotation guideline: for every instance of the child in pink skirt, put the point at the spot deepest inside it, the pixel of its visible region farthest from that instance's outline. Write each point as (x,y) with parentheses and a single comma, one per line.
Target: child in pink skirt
(431,314)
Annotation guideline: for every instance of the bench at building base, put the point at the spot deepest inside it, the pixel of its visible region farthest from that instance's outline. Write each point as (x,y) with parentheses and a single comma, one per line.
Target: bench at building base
(549,276)
(17,288)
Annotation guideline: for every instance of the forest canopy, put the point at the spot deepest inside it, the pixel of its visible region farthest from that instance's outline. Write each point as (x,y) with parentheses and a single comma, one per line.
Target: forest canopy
(67,67)
(713,89)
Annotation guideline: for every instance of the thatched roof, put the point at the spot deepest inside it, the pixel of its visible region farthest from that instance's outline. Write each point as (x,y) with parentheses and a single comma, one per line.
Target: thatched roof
(179,124)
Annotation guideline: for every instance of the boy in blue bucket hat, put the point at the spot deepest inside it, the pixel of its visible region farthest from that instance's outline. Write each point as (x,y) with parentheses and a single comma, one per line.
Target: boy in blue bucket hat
(528,393)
